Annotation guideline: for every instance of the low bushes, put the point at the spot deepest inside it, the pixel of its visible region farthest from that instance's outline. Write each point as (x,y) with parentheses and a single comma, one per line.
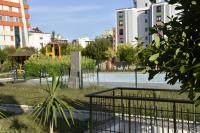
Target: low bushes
(53,66)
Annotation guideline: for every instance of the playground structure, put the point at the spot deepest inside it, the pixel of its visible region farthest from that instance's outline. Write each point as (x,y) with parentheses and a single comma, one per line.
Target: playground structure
(53,50)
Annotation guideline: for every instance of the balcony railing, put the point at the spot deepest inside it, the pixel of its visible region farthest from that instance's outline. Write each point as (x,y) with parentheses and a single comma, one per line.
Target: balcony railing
(126,110)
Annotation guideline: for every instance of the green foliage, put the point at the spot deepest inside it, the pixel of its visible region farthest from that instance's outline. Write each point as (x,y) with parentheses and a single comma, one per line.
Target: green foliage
(5,60)
(9,50)
(6,66)
(52,106)
(38,63)
(72,48)
(97,50)
(3,56)
(4,53)
(176,50)
(87,63)
(128,53)
(29,49)
(110,53)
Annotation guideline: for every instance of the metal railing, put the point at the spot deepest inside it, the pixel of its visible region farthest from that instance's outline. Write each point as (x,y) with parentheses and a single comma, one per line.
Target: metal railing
(127,110)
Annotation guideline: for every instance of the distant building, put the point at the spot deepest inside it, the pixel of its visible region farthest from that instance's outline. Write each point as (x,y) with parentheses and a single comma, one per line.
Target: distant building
(58,38)
(114,38)
(38,39)
(84,41)
(110,35)
(14,23)
(106,34)
(134,23)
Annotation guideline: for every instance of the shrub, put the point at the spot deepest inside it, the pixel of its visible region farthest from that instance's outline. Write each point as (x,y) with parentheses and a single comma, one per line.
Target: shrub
(49,66)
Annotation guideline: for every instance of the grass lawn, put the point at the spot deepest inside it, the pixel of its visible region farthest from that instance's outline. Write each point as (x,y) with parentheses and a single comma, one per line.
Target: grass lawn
(5,75)
(30,95)
(24,123)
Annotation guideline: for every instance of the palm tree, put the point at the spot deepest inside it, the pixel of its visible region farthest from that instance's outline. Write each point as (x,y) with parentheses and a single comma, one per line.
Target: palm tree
(52,106)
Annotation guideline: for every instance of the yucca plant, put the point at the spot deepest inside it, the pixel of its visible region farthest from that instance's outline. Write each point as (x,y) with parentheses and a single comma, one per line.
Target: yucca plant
(2,115)
(52,107)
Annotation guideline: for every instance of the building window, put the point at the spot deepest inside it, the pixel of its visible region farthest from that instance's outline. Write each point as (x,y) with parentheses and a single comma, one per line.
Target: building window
(145,12)
(146,4)
(12,38)
(1,37)
(41,38)
(121,23)
(158,9)
(41,44)
(146,20)
(8,38)
(120,15)
(121,40)
(146,38)
(158,18)
(146,29)
(15,9)
(7,28)
(11,28)
(1,27)
(6,8)
(121,32)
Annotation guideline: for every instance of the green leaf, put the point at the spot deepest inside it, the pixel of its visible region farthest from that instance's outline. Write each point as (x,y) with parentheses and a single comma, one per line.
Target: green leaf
(154,57)
(182,69)
(194,2)
(177,51)
(156,62)
(184,35)
(157,40)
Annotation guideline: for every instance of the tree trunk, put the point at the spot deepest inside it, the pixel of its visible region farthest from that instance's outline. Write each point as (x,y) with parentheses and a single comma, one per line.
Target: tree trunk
(51,127)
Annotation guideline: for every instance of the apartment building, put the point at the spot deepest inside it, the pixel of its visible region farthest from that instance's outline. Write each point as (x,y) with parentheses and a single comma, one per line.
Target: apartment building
(14,23)
(133,23)
(38,39)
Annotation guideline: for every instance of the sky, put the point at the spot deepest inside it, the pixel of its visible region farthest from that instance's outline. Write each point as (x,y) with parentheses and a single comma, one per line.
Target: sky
(75,18)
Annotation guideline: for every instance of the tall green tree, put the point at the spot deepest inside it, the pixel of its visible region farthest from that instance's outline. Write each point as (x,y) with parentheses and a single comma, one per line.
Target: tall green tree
(129,53)
(97,49)
(176,50)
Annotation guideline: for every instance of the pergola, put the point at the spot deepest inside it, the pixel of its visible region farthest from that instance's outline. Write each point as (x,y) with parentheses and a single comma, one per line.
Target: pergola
(20,57)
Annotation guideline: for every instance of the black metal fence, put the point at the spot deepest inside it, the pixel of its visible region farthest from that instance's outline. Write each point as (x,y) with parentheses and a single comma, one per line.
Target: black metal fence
(125,110)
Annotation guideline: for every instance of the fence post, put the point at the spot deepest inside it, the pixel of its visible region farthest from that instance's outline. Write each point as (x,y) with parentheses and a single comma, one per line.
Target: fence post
(40,76)
(24,73)
(136,79)
(174,116)
(81,79)
(114,108)
(98,76)
(129,116)
(122,103)
(91,118)
(69,69)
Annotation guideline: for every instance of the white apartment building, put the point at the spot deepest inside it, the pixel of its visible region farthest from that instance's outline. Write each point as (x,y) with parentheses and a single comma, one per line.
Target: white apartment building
(84,41)
(38,39)
(135,22)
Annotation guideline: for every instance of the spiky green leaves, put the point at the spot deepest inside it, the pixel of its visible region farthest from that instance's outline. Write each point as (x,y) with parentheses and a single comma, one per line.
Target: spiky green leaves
(53,107)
